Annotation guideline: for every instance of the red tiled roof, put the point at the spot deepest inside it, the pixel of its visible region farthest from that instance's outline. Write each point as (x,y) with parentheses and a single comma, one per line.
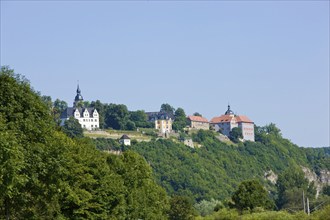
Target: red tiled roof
(222,119)
(197,118)
(243,118)
(228,118)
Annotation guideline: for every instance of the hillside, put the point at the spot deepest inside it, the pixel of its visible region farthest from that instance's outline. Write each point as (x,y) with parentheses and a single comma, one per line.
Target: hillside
(216,169)
(47,171)
(44,174)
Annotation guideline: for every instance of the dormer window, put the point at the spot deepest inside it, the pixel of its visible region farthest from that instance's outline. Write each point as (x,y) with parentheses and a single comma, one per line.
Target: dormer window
(86,114)
(76,114)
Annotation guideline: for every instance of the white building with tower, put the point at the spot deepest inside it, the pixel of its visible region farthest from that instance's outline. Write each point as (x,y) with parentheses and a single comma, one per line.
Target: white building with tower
(87,117)
(229,120)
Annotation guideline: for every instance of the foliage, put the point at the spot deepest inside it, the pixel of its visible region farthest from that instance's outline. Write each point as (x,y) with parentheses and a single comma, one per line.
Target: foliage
(140,119)
(44,174)
(290,185)
(106,144)
(73,128)
(251,194)
(203,135)
(223,214)
(167,108)
(326,190)
(262,132)
(181,208)
(215,170)
(205,207)
(197,114)
(322,214)
(235,134)
(231,214)
(117,117)
(100,108)
(180,121)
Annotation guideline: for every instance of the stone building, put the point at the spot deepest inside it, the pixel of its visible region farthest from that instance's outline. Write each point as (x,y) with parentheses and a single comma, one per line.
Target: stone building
(198,122)
(87,117)
(229,120)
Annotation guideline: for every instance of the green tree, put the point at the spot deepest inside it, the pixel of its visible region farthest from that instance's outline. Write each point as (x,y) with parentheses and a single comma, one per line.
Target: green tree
(73,128)
(251,194)
(291,184)
(25,125)
(180,121)
(181,208)
(48,101)
(271,129)
(116,116)
(101,108)
(326,190)
(144,198)
(59,106)
(44,174)
(206,207)
(197,114)
(167,108)
(235,134)
(140,118)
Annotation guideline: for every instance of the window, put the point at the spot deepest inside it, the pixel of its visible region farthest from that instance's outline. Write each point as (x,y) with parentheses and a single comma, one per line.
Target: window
(92,125)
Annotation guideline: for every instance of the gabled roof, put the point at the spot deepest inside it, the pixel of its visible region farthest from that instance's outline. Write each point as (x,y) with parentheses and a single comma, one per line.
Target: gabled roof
(197,118)
(222,119)
(68,112)
(124,137)
(228,118)
(243,118)
(153,116)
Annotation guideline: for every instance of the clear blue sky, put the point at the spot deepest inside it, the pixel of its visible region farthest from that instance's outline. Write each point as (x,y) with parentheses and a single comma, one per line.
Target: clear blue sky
(270,59)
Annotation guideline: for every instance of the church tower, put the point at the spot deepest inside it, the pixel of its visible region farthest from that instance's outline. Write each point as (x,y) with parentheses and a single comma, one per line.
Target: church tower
(88,117)
(229,111)
(78,97)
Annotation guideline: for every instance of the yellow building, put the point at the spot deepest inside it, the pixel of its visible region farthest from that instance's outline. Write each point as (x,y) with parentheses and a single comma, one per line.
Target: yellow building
(164,125)
(163,121)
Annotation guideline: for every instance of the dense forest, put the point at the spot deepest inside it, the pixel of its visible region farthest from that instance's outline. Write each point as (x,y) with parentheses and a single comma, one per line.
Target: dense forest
(44,174)
(214,171)
(53,172)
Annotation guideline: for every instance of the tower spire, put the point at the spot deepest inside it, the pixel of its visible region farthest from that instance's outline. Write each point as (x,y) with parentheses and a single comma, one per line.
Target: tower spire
(229,111)
(78,97)
(78,89)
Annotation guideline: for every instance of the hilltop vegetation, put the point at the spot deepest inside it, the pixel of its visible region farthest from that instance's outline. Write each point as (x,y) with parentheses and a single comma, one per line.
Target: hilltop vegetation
(52,172)
(214,171)
(199,172)
(44,174)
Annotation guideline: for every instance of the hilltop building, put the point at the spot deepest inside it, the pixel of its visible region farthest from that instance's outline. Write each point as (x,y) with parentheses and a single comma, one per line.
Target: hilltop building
(163,121)
(125,140)
(229,120)
(87,117)
(198,122)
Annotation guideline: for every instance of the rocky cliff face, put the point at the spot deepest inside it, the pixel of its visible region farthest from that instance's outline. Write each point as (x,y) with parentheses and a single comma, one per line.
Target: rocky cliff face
(323,179)
(271,176)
